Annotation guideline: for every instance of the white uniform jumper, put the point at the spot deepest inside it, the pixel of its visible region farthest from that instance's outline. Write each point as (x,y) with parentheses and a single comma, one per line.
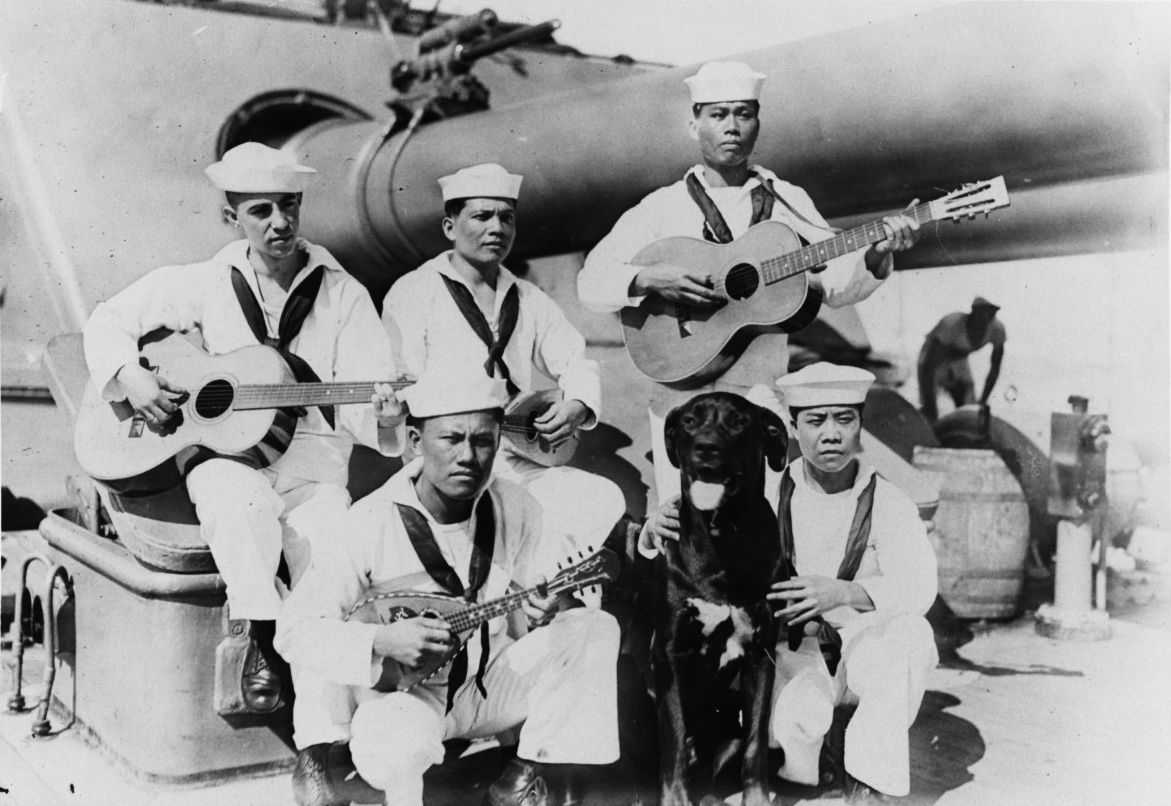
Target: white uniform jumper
(604,284)
(886,653)
(559,680)
(433,335)
(248,515)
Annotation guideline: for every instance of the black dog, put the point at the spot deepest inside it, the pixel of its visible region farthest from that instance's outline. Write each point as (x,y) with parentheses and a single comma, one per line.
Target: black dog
(712,623)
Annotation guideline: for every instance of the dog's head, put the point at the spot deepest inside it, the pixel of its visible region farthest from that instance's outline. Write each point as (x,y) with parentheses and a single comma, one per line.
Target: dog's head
(720,442)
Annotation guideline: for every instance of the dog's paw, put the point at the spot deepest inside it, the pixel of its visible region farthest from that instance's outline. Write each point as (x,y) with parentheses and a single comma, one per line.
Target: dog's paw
(709,615)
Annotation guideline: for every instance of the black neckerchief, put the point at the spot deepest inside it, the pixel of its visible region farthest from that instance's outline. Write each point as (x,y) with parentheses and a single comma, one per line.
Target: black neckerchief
(297,307)
(423,541)
(509,313)
(859,536)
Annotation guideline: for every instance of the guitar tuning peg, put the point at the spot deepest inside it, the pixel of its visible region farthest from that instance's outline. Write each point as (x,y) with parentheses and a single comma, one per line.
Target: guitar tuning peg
(590,549)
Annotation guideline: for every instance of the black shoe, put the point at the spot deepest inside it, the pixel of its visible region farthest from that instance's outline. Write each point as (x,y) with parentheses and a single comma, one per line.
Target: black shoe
(260,683)
(521,784)
(325,776)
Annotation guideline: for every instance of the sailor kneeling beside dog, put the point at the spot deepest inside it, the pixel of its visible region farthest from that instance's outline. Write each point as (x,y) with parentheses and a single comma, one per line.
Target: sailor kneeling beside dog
(865,565)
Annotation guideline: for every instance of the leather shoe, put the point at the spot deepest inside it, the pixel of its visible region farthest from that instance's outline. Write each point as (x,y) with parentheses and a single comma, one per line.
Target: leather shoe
(521,784)
(259,683)
(325,776)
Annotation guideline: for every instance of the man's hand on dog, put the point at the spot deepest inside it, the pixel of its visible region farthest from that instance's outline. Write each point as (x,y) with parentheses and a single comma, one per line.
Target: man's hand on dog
(662,525)
(813,596)
(561,421)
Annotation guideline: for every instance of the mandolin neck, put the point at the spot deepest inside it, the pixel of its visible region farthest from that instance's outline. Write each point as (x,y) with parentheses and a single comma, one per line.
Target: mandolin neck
(278,396)
(773,270)
(472,617)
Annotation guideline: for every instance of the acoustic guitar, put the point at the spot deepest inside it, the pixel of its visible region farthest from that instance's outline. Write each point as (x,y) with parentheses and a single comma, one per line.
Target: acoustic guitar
(762,274)
(234,407)
(386,604)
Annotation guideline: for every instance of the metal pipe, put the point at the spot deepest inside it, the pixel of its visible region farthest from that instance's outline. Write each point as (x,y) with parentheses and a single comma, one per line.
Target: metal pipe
(41,726)
(16,701)
(915,110)
(458,29)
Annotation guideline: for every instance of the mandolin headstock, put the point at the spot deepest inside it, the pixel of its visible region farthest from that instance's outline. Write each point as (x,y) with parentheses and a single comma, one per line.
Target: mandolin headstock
(587,571)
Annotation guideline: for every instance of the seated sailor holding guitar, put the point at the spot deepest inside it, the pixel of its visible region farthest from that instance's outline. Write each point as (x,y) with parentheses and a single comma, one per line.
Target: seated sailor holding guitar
(464,311)
(398,687)
(271,287)
(719,200)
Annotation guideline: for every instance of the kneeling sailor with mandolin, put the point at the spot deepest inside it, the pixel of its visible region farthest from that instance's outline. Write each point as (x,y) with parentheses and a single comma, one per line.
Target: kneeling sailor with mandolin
(403,679)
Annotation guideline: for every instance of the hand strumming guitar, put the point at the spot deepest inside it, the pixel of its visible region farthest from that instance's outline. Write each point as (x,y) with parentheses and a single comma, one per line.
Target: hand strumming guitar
(677,284)
(408,641)
(560,421)
(151,395)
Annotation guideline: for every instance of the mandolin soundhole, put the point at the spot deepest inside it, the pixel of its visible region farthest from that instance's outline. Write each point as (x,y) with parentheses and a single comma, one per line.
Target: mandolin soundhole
(742,281)
(214,399)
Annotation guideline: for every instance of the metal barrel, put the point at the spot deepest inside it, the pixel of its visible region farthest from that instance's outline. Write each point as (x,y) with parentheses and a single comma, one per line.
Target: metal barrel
(864,119)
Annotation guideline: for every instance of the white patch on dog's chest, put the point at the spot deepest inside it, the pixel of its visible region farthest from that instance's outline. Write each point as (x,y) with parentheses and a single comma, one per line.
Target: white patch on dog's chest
(711,615)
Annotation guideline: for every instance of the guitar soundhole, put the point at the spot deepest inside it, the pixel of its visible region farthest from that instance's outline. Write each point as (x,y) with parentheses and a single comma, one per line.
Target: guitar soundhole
(214,399)
(742,281)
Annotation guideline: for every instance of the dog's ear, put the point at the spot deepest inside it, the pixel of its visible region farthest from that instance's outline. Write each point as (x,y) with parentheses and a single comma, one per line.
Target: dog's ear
(776,439)
(670,431)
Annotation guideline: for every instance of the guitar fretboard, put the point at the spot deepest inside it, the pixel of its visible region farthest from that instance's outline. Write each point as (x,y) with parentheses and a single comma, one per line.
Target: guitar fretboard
(268,396)
(775,269)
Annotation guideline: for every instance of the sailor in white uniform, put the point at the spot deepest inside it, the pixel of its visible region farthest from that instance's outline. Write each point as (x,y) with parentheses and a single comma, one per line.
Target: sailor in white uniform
(276,288)
(445,523)
(718,200)
(464,312)
(865,566)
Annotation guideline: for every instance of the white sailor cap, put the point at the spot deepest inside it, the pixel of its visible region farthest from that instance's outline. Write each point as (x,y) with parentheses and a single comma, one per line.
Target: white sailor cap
(439,394)
(825,384)
(257,168)
(725,81)
(488,181)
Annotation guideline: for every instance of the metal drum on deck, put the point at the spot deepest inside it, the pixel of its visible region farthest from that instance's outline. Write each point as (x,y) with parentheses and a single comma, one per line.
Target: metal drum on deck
(981,531)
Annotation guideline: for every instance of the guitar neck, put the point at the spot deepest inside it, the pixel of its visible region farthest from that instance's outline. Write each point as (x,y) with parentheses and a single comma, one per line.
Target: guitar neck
(277,396)
(789,264)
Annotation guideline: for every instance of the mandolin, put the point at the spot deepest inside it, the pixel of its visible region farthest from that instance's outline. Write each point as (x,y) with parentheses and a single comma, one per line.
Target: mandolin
(762,274)
(386,604)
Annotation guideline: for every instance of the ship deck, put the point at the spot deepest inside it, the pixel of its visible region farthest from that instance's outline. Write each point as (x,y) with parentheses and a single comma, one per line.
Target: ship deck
(1010,717)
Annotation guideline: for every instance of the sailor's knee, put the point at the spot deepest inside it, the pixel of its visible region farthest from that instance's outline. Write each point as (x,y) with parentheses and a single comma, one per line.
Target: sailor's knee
(395,736)
(803,709)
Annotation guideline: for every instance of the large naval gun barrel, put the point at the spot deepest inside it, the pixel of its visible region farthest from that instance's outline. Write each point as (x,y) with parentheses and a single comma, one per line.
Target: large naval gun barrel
(1066,107)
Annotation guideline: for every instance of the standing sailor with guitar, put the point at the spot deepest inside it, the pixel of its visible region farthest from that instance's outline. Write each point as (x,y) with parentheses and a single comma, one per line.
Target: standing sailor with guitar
(464,312)
(444,525)
(273,288)
(718,200)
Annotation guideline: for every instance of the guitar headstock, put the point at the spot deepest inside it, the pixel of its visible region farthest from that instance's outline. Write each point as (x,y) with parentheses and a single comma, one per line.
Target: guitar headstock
(971,199)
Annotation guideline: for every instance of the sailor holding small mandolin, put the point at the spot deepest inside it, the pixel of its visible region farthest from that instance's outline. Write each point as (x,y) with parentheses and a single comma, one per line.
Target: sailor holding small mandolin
(718,200)
(463,312)
(443,524)
(270,287)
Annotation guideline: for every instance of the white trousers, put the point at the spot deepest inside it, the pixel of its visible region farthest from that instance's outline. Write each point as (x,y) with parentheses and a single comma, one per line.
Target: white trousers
(559,680)
(248,516)
(582,505)
(884,667)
